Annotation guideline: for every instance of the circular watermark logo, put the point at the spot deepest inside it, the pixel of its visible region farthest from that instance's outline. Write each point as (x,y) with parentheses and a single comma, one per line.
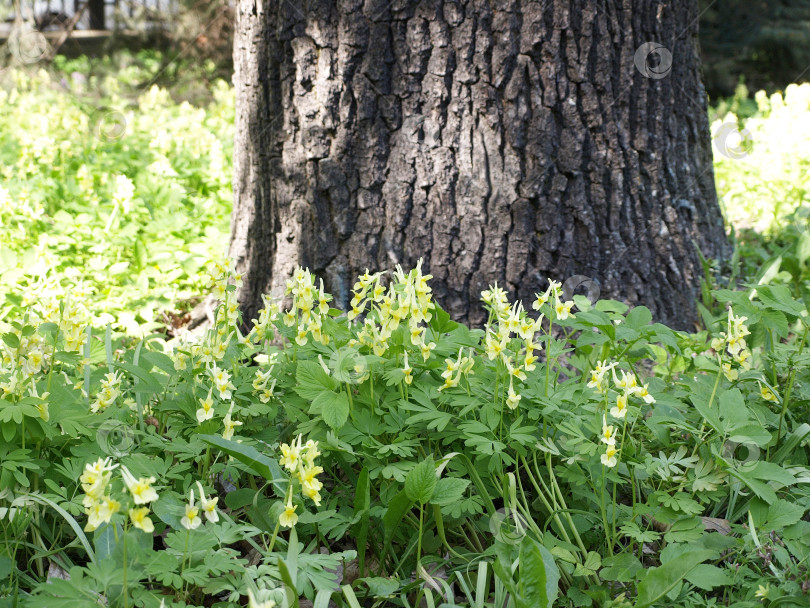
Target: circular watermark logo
(508,526)
(108,124)
(653,60)
(731,141)
(28,46)
(115,438)
(740,452)
(582,285)
(348,365)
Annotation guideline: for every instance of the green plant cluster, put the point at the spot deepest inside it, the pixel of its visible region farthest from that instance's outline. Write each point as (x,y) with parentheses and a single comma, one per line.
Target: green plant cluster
(573,455)
(125,196)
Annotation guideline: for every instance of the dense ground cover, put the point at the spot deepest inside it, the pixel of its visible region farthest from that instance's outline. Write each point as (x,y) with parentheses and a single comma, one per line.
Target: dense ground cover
(123,195)
(573,454)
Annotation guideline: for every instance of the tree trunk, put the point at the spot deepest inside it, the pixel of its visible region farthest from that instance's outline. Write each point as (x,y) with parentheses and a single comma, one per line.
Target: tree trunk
(507,141)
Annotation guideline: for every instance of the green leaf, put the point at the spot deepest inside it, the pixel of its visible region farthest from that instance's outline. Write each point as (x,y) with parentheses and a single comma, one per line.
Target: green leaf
(421,481)
(6,565)
(147,383)
(768,471)
(639,317)
(333,407)
(732,408)
(761,489)
(661,580)
(441,322)
(397,508)
(290,589)
(538,585)
(750,433)
(105,540)
(379,586)
(252,458)
(621,568)
(779,297)
(449,490)
(362,503)
(707,577)
(11,340)
(710,414)
(592,563)
(782,514)
(312,380)
(43,500)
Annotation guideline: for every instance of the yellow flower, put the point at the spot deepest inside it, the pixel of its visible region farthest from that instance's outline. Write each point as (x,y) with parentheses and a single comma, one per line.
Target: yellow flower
(206,412)
(96,476)
(230,425)
(528,361)
(494,346)
(308,478)
(620,411)
(408,370)
(254,603)
(563,309)
(767,394)
(608,433)
(609,457)
(517,372)
(290,455)
(222,381)
(512,399)
(191,520)
(141,489)
(288,519)
(627,382)
(644,393)
(310,452)
(598,376)
(100,512)
(730,374)
(139,518)
(209,505)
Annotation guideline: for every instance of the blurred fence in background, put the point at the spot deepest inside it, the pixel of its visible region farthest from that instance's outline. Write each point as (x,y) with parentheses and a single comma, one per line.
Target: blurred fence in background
(105,15)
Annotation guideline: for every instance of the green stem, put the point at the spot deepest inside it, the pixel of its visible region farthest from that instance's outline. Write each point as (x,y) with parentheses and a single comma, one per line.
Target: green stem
(126,590)
(786,399)
(419,545)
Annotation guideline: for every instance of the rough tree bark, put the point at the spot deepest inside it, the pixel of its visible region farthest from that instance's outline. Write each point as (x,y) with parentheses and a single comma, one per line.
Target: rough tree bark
(501,140)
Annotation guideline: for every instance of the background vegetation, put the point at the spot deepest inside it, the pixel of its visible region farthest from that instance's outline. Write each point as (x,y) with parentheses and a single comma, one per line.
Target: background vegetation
(576,454)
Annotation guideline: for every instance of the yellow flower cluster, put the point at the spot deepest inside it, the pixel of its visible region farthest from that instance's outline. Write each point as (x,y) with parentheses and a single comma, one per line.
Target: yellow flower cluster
(562,309)
(208,506)
(267,315)
(123,193)
(300,461)
(110,391)
(732,341)
(63,308)
(263,378)
(100,506)
(507,322)
(21,362)
(230,424)
(454,370)
(626,387)
(408,297)
(19,208)
(211,350)
(609,438)
(24,353)
(312,304)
